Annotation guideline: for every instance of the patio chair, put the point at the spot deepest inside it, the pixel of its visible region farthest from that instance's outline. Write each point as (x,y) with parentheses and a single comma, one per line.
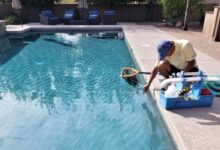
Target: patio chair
(69,15)
(109,17)
(47,17)
(93,17)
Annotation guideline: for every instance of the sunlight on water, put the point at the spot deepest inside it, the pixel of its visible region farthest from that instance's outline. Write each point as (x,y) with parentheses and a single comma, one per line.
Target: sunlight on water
(64,91)
(69,39)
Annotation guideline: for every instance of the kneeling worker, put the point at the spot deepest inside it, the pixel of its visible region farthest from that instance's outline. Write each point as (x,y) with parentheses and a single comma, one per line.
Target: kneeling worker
(174,56)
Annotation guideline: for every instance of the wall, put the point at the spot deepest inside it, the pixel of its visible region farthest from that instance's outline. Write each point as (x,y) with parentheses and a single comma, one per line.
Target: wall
(211,22)
(212,1)
(208,23)
(216,34)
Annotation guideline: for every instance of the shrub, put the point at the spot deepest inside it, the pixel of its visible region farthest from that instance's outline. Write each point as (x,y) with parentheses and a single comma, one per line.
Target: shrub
(175,9)
(4,1)
(11,19)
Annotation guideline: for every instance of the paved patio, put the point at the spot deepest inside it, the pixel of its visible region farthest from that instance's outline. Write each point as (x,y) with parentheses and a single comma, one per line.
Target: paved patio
(194,128)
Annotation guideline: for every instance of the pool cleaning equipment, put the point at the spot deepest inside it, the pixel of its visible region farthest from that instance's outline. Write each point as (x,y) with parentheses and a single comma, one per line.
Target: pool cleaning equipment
(185,92)
(129,75)
(213,87)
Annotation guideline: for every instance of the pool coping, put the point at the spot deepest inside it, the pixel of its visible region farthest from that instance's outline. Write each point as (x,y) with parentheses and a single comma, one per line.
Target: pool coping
(11,30)
(131,29)
(165,120)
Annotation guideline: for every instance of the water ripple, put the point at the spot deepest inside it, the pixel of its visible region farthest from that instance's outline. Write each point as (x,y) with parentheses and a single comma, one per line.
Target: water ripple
(65,92)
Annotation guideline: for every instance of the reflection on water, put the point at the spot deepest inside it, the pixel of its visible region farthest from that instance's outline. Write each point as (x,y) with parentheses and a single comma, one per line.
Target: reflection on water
(58,42)
(51,74)
(79,86)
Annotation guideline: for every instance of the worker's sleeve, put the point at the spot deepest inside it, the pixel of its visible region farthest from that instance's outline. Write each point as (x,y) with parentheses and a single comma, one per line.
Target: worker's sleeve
(189,52)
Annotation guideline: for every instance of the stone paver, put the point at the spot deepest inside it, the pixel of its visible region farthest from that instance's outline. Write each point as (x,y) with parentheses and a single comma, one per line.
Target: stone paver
(200,40)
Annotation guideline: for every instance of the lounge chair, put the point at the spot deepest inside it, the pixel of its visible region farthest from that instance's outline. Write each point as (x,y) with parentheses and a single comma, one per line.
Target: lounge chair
(47,17)
(93,17)
(69,15)
(109,17)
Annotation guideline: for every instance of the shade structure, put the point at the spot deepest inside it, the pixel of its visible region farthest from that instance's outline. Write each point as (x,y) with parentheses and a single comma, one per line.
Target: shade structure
(82,5)
(17,6)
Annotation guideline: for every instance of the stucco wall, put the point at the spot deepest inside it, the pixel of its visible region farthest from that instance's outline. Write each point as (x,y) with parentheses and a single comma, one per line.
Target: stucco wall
(208,23)
(211,22)
(216,35)
(212,1)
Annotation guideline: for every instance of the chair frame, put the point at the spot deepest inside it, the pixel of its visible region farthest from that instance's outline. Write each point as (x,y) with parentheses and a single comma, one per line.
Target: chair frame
(96,20)
(69,20)
(46,20)
(109,18)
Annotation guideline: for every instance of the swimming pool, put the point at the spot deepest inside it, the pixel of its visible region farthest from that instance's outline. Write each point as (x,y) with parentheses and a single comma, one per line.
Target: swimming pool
(63,91)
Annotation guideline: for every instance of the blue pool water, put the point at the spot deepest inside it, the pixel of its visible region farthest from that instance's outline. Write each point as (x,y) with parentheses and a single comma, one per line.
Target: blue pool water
(63,92)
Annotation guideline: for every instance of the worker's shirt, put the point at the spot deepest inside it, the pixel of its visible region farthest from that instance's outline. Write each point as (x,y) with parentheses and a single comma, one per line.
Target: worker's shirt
(184,52)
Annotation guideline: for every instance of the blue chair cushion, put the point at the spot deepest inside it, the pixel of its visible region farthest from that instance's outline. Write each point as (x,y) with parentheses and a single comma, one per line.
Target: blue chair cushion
(93,17)
(109,12)
(54,18)
(93,12)
(47,13)
(69,14)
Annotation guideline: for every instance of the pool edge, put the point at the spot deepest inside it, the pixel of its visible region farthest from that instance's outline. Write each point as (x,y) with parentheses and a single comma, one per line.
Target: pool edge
(177,141)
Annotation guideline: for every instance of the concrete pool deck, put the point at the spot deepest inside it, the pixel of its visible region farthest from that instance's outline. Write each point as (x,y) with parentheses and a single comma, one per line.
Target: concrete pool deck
(192,128)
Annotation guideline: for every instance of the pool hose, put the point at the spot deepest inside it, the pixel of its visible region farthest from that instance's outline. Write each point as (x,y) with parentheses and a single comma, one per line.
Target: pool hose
(213,87)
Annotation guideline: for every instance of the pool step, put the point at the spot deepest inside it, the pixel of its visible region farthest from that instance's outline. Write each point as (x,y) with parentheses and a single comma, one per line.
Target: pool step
(110,35)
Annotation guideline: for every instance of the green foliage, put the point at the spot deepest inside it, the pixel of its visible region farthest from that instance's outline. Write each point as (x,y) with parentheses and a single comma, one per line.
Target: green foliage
(175,9)
(5,1)
(11,19)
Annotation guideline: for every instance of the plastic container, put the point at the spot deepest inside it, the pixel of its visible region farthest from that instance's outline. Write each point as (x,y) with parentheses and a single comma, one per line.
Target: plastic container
(191,90)
(205,92)
(180,102)
(171,91)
